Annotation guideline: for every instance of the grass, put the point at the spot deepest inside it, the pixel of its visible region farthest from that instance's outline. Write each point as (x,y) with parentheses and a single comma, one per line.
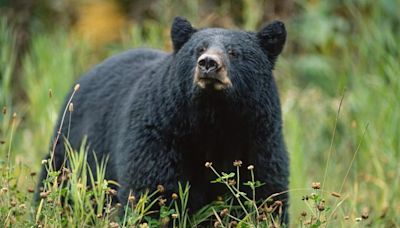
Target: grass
(344,165)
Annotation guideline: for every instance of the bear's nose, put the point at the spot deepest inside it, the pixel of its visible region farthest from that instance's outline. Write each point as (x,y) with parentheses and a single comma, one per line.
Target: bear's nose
(208,63)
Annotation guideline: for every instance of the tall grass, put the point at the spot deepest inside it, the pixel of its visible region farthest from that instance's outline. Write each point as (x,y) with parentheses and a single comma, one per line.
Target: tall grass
(351,47)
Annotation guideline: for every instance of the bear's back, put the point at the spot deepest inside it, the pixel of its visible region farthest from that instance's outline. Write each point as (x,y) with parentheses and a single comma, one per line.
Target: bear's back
(104,91)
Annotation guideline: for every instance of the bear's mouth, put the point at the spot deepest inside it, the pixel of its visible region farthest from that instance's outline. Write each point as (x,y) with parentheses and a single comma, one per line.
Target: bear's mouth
(217,81)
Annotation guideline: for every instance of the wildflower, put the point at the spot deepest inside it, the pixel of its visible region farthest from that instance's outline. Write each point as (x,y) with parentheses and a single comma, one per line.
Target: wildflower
(44,161)
(174,216)
(114,225)
(131,198)
(278,203)
(44,195)
(77,86)
(316,185)
(144,225)
(305,198)
(208,164)
(262,217)
(237,163)
(71,107)
(321,206)
(335,194)
(365,213)
(4,190)
(161,202)
(233,224)
(112,192)
(232,182)
(224,212)
(250,167)
(13,203)
(174,196)
(160,188)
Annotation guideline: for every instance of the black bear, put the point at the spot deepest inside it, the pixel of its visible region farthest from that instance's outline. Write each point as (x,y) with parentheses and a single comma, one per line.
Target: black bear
(160,116)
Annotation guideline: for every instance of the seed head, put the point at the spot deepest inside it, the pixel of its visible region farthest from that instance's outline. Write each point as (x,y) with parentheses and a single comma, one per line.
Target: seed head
(174,196)
(233,224)
(262,217)
(224,212)
(174,216)
(71,107)
(161,202)
(316,185)
(278,203)
(321,206)
(208,164)
(250,167)
(44,195)
(268,209)
(112,192)
(335,194)
(131,198)
(77,86)
(99,215)
(232,182)
(13,203)
(114,225)
(4,190)
(160,188)
(365,213)
(217,224)
(44,161)
(358,219)
(237,163)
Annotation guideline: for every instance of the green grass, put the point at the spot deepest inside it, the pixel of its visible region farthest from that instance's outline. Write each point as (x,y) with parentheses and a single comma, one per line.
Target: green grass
(334,51)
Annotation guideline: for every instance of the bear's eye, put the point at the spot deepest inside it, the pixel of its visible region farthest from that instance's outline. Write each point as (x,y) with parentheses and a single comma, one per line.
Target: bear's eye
(232,53)
(201,50)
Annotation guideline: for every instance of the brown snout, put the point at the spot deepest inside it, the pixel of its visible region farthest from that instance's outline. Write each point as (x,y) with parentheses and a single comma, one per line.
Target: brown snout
(211,72)
(209,63)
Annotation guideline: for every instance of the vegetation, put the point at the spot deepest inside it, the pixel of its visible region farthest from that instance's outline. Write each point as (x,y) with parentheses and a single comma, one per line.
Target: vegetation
(338,78)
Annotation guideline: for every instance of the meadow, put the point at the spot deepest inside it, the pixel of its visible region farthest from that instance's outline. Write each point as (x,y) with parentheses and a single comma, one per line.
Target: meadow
(339,84)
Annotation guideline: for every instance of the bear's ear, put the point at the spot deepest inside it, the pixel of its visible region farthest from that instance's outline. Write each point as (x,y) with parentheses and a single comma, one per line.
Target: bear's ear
(181,31)
(272,39)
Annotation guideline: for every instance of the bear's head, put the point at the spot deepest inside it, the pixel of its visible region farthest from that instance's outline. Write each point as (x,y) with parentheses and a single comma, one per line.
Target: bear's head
(222,60)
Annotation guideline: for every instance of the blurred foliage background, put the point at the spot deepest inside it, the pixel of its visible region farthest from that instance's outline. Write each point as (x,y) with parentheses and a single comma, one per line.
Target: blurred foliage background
(336,48)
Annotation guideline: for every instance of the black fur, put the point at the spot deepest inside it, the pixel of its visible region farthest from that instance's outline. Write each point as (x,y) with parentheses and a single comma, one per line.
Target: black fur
(142,109)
